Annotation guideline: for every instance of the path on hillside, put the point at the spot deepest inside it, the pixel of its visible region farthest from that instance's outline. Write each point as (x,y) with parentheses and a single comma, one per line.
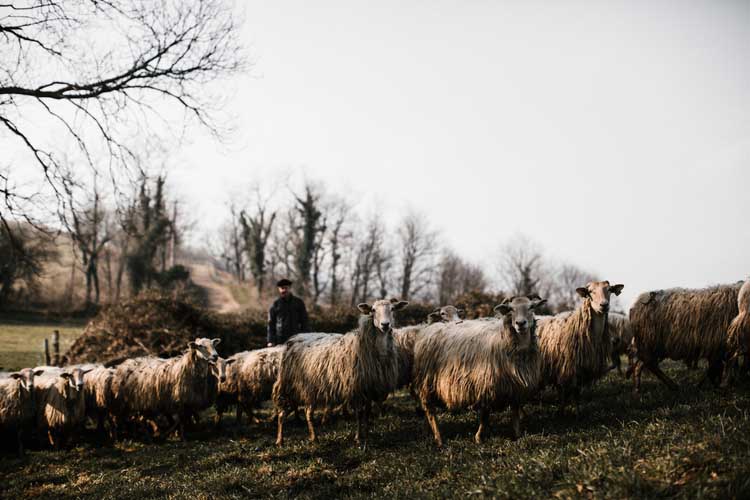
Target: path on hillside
(209,278)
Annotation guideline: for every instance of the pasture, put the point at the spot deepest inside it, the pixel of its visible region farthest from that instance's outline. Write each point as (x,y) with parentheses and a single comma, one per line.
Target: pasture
(22,335)
(693,443)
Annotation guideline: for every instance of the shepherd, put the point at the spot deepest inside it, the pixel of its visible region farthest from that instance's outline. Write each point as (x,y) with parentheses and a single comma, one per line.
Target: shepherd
(287,315)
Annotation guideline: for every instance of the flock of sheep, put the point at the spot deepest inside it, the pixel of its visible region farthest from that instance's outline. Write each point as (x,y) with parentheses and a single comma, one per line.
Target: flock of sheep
(483,365)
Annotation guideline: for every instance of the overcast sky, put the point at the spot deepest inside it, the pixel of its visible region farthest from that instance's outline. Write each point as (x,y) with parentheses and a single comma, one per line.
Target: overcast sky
(616,134)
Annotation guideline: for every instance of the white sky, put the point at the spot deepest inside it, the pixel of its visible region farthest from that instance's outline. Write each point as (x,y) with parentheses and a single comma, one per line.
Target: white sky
(616,134)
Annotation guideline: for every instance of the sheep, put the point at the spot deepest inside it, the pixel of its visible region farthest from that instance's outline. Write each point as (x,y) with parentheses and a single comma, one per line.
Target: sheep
(17,403)
(354,369)
(738,336)
(60,404)
(682,324)
(621,336)
(179,386)
(97,387)
(445,314)
(406,337)
(575,346)
(249,381)
(479,364)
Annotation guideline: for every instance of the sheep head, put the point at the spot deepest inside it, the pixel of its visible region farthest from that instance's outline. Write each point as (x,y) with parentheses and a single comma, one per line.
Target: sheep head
(74,378)
(26,377)
(445,314)
(219,368)
(599,292)
(205,348)
(518,316)
(382,312)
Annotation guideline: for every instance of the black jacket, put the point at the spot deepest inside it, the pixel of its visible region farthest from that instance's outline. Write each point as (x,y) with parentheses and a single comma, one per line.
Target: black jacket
(287,317)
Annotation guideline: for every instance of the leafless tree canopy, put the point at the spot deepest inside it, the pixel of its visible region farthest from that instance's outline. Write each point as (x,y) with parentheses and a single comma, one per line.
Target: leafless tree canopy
(89,72)
(521,267)
(417,250)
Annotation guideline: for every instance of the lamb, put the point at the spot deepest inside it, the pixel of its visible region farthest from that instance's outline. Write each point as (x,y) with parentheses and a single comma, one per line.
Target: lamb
(576,346)
(60,404)
(621,336)
(249,381)
(17,403)
(176,387)
(682,324)
(480,364)
(738,335)
(354,369)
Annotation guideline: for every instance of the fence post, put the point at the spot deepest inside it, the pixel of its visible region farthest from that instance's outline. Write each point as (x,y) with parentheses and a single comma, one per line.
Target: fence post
(56,347)
(47,360)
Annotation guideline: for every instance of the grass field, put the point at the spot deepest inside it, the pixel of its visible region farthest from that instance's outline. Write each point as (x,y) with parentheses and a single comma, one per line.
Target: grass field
(688,444)
(21,339)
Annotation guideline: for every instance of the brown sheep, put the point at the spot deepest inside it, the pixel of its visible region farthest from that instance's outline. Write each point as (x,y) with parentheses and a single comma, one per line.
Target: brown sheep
(354,370)
(479,364)
(682,324)
(576,346)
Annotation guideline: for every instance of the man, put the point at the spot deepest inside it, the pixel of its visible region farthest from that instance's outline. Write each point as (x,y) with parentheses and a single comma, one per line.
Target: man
(287,315)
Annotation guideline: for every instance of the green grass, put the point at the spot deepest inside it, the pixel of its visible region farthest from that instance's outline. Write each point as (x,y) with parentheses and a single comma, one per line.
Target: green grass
(21,339)
(688,444)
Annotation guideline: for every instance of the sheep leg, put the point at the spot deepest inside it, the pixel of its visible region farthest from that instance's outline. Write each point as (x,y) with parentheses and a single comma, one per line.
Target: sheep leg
(637,371)
(729,370)
(326,415)
(484,416)
(280,428)
(51,439)
(515,419)
(563,394)
(360,418)
(310,427)
(430,415)
(19,437)
(654,368)
(238,419)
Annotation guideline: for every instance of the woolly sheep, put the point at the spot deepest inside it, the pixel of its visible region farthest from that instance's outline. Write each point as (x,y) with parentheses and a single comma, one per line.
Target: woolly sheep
(621,336)
(682,324)
(483,365)
(176,387)
(576,346)
(354,370)
(60,404)
(17,403)
(738,335)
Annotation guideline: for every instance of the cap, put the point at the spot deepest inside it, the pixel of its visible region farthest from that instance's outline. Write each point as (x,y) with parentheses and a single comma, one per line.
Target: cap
(283,282)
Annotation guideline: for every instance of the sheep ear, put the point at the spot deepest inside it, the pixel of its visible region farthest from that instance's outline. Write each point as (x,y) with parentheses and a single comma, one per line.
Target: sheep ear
(437,310)
(399,305)
(616,289)
(216,341)
(394,300)
(16,376)
(38,372)
(84,372)
(433,317)
(583,292)
(192,345)
(503,308)
(230,361)
(538,303)
(66,375)
(533,296)
(461,313)
(364,308)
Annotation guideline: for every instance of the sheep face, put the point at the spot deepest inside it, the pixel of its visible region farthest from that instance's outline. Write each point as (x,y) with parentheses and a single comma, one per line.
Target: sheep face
(518,316)
(599,293)
(26,376)
(445,314)
(205,348)
(74,379)
(219,368)
(382,312)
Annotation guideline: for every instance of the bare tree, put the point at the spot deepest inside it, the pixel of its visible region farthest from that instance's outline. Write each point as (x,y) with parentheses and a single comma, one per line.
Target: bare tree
(97,70)
(88,229)
(417,250)
(233,244)
(562,287)
(456,277)
(256,230)
(339,237)
(311,225)
(366,257)
(521,266)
